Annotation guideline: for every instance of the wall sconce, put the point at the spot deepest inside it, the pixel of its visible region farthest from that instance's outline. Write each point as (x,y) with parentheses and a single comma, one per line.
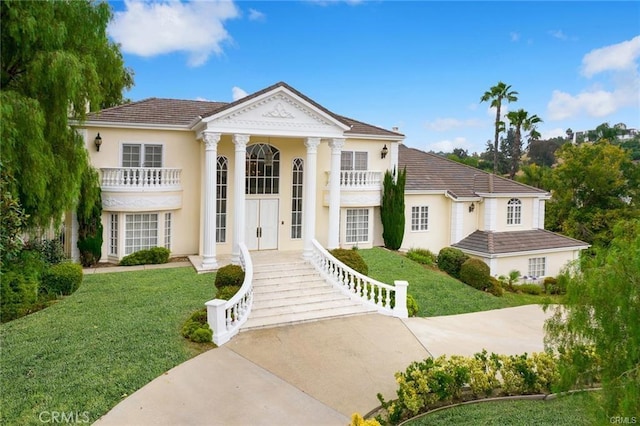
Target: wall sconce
(98,142)
(384,151)
(268,157)
(472,207)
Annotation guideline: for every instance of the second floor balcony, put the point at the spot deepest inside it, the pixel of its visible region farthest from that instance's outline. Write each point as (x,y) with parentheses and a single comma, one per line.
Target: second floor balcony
(140,179)
(351,180)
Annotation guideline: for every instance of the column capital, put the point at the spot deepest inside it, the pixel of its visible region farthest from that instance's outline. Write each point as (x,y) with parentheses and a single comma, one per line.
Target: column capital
(312,145)
(210,140)
(336,144)
(240,141)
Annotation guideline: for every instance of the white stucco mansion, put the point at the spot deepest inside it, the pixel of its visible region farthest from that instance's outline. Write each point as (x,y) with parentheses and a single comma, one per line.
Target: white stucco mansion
(276,170)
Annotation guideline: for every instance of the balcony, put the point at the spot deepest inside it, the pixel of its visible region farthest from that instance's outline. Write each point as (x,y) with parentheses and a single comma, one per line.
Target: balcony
(354,180)
(140,179)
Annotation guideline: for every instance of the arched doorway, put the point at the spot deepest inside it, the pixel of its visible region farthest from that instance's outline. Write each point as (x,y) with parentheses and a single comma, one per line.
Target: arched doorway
(262,185)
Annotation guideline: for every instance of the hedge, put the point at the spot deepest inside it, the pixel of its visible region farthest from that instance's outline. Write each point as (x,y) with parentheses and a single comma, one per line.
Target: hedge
(150,256)
(63,278)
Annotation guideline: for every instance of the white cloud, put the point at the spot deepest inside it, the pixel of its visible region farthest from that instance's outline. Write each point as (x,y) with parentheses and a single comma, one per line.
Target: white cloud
(256,15)
(238,93)
(444,124)
(559,34)
(514,36)
(448,145)
(597,103)
(155,28)
(617,57)
(553,133)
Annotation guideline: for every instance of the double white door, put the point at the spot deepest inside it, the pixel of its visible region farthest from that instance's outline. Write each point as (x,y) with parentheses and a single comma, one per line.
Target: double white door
(261,224)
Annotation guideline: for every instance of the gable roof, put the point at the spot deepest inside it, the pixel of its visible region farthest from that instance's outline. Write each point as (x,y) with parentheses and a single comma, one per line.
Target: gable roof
(516,241)
(178,112)
(427,172)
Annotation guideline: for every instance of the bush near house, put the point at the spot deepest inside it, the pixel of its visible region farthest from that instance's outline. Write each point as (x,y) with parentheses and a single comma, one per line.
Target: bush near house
(227,292)
(450,260)
(150,256)
(229,275)
(556,285)
(422,256)
(476,273)
(196,327)
(534,289)
(62,279)
(352,259)
(495,287)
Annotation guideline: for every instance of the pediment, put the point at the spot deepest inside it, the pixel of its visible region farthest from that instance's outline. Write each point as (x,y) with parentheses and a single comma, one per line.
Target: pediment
(277,112)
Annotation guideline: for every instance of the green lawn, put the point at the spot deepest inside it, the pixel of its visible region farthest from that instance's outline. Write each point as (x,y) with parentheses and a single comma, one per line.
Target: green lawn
(575,409)
(436,292)
(118,332)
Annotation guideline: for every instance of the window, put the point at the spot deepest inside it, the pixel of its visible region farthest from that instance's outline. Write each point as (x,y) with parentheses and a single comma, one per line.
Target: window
(296,199)
(141,232)
(357,225)
(263,169)
(419,218)
(141,155)
(113,235)
(221,199)
(354,160)
(167,231)
(537,267)
(514,212)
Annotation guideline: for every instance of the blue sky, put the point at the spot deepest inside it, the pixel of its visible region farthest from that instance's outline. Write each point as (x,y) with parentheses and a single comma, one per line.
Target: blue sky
(420,66)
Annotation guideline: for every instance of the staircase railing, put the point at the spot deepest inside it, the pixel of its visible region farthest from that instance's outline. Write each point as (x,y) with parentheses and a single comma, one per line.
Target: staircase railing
(225,317)
(387,299)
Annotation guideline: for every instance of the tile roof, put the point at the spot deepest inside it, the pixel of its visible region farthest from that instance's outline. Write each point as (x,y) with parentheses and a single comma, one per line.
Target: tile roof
(426,171)
(516,241)
(176,112)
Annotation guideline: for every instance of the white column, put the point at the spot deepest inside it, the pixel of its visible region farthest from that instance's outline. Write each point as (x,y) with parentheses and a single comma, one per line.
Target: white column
(309,206)
(333,239)
(240,141)
(457,218)
(210,140)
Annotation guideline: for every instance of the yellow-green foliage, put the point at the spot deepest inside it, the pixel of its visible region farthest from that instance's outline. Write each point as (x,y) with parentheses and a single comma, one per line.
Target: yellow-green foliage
(358,420)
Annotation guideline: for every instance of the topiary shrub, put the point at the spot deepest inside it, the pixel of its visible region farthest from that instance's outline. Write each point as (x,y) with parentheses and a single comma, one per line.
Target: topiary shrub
(422,256)
(533,289)
(152,256)
(227,292)
(196,327)
(495,287)
(450,260)
(352,259)
(412,306)
(63,278)
(229,275)
(476,273)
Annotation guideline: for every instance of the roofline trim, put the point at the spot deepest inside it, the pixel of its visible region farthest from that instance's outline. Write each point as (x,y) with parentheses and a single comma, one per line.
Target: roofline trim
(543,195)
(141,126)
(522,253)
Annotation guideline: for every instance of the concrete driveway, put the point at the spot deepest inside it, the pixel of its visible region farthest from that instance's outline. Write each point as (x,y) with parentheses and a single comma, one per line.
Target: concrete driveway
(318,373)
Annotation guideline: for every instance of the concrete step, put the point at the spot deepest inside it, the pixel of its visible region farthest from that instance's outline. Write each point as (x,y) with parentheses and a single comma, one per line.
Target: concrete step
(290,266)
(307,300)
(321,291)
(301,317)
(277,287)
(299,279)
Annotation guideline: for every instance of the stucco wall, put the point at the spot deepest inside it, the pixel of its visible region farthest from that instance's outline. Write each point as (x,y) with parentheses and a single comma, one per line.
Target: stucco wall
(555,262)
(438,233)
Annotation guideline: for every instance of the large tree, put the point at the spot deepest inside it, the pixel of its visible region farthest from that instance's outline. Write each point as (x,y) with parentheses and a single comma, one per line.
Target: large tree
(520,120)
(496,95)
(593,187)
(57,62)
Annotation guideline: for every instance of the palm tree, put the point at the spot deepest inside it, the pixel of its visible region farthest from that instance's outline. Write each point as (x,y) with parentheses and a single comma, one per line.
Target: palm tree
(521,120)
(496,95)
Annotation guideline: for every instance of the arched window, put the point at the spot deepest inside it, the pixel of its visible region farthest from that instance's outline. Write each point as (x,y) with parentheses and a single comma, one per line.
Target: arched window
(263,169)
(296,198)
(514,212)
(221,199)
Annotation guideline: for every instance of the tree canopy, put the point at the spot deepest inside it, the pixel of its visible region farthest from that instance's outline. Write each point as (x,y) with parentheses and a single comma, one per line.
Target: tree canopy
(56,61)
(496,94)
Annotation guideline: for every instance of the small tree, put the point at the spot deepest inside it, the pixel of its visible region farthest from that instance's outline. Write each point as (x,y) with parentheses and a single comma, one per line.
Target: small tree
(89,213)
(392,209)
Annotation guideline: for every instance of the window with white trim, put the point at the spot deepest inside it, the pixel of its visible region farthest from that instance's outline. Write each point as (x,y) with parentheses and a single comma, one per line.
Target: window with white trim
(141,155)
(221,199)
(263,169)
(354,160)
(167,231)
(113,235)
(419,218)
(141,232)
(357,227)
(296,198)
(537,266)
(514,212)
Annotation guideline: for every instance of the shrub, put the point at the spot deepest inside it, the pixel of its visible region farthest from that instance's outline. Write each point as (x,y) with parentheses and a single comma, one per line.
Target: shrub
(18,293)
(89,213)
(422,256)
(150,256)
(202,335)
(476,273)
(495,287)
(227,292)
(196,327)
(392,209)
(534,289)
(555,285)
(63,278)
(352,259)
(412,306)
(358,420)
(450,260)
(50,251)
(229,275)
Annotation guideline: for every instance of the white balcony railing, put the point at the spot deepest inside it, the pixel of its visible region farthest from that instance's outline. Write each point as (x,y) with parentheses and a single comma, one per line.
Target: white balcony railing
(141,179)
(359,179)
(387,299)
(225,317)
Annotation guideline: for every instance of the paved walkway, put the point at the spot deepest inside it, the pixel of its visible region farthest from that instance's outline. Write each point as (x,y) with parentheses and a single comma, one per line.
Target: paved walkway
(317,373)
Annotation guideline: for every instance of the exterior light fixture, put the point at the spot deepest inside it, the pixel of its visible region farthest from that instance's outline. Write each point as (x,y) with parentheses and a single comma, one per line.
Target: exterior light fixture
(384,151)
(472,207)
(268,157)
(98,142)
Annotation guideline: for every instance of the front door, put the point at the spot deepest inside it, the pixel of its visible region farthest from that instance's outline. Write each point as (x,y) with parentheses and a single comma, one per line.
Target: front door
(261,224)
